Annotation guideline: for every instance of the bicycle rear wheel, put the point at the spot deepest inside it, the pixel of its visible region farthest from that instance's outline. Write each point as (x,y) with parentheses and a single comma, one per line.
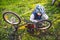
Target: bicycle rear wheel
(11,18)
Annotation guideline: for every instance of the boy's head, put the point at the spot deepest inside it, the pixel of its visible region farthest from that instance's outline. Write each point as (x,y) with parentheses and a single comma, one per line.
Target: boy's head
(38,9)
(39,14)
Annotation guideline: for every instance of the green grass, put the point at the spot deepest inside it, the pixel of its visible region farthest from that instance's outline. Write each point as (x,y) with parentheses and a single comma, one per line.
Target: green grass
(24,8)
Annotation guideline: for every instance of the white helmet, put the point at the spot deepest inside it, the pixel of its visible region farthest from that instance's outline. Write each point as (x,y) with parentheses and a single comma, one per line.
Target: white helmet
(40,8)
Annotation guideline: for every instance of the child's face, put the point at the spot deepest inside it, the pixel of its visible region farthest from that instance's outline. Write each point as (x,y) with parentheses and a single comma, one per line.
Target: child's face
(39,14)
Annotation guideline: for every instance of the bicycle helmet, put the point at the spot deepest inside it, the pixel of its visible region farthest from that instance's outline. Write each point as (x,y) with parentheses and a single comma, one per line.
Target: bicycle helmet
(40,8)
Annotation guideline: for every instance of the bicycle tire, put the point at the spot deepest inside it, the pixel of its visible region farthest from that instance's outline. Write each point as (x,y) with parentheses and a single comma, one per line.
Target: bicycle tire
(48,26)
(13,14)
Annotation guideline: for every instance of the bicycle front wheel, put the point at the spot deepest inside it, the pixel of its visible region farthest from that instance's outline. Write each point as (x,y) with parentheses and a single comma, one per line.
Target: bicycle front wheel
(45,24)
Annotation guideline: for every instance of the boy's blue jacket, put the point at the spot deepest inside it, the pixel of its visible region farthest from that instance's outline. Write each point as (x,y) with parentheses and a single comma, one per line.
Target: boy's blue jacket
(36,17)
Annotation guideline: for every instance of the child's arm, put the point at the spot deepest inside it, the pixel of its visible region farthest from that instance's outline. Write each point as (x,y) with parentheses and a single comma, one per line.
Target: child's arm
(32,18)
(44,17)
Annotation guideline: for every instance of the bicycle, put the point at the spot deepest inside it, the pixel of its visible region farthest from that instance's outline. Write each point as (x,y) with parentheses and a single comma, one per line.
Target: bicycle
(14,19)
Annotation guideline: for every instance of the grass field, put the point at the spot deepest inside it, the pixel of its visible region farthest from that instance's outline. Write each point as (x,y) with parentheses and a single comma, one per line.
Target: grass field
(24,8)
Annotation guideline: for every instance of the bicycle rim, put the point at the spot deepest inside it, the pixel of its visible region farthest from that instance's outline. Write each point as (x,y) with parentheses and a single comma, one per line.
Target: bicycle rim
(46,24)
(11,18)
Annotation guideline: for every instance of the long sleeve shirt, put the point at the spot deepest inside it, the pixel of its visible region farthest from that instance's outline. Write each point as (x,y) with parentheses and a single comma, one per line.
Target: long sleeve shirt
(44,17)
